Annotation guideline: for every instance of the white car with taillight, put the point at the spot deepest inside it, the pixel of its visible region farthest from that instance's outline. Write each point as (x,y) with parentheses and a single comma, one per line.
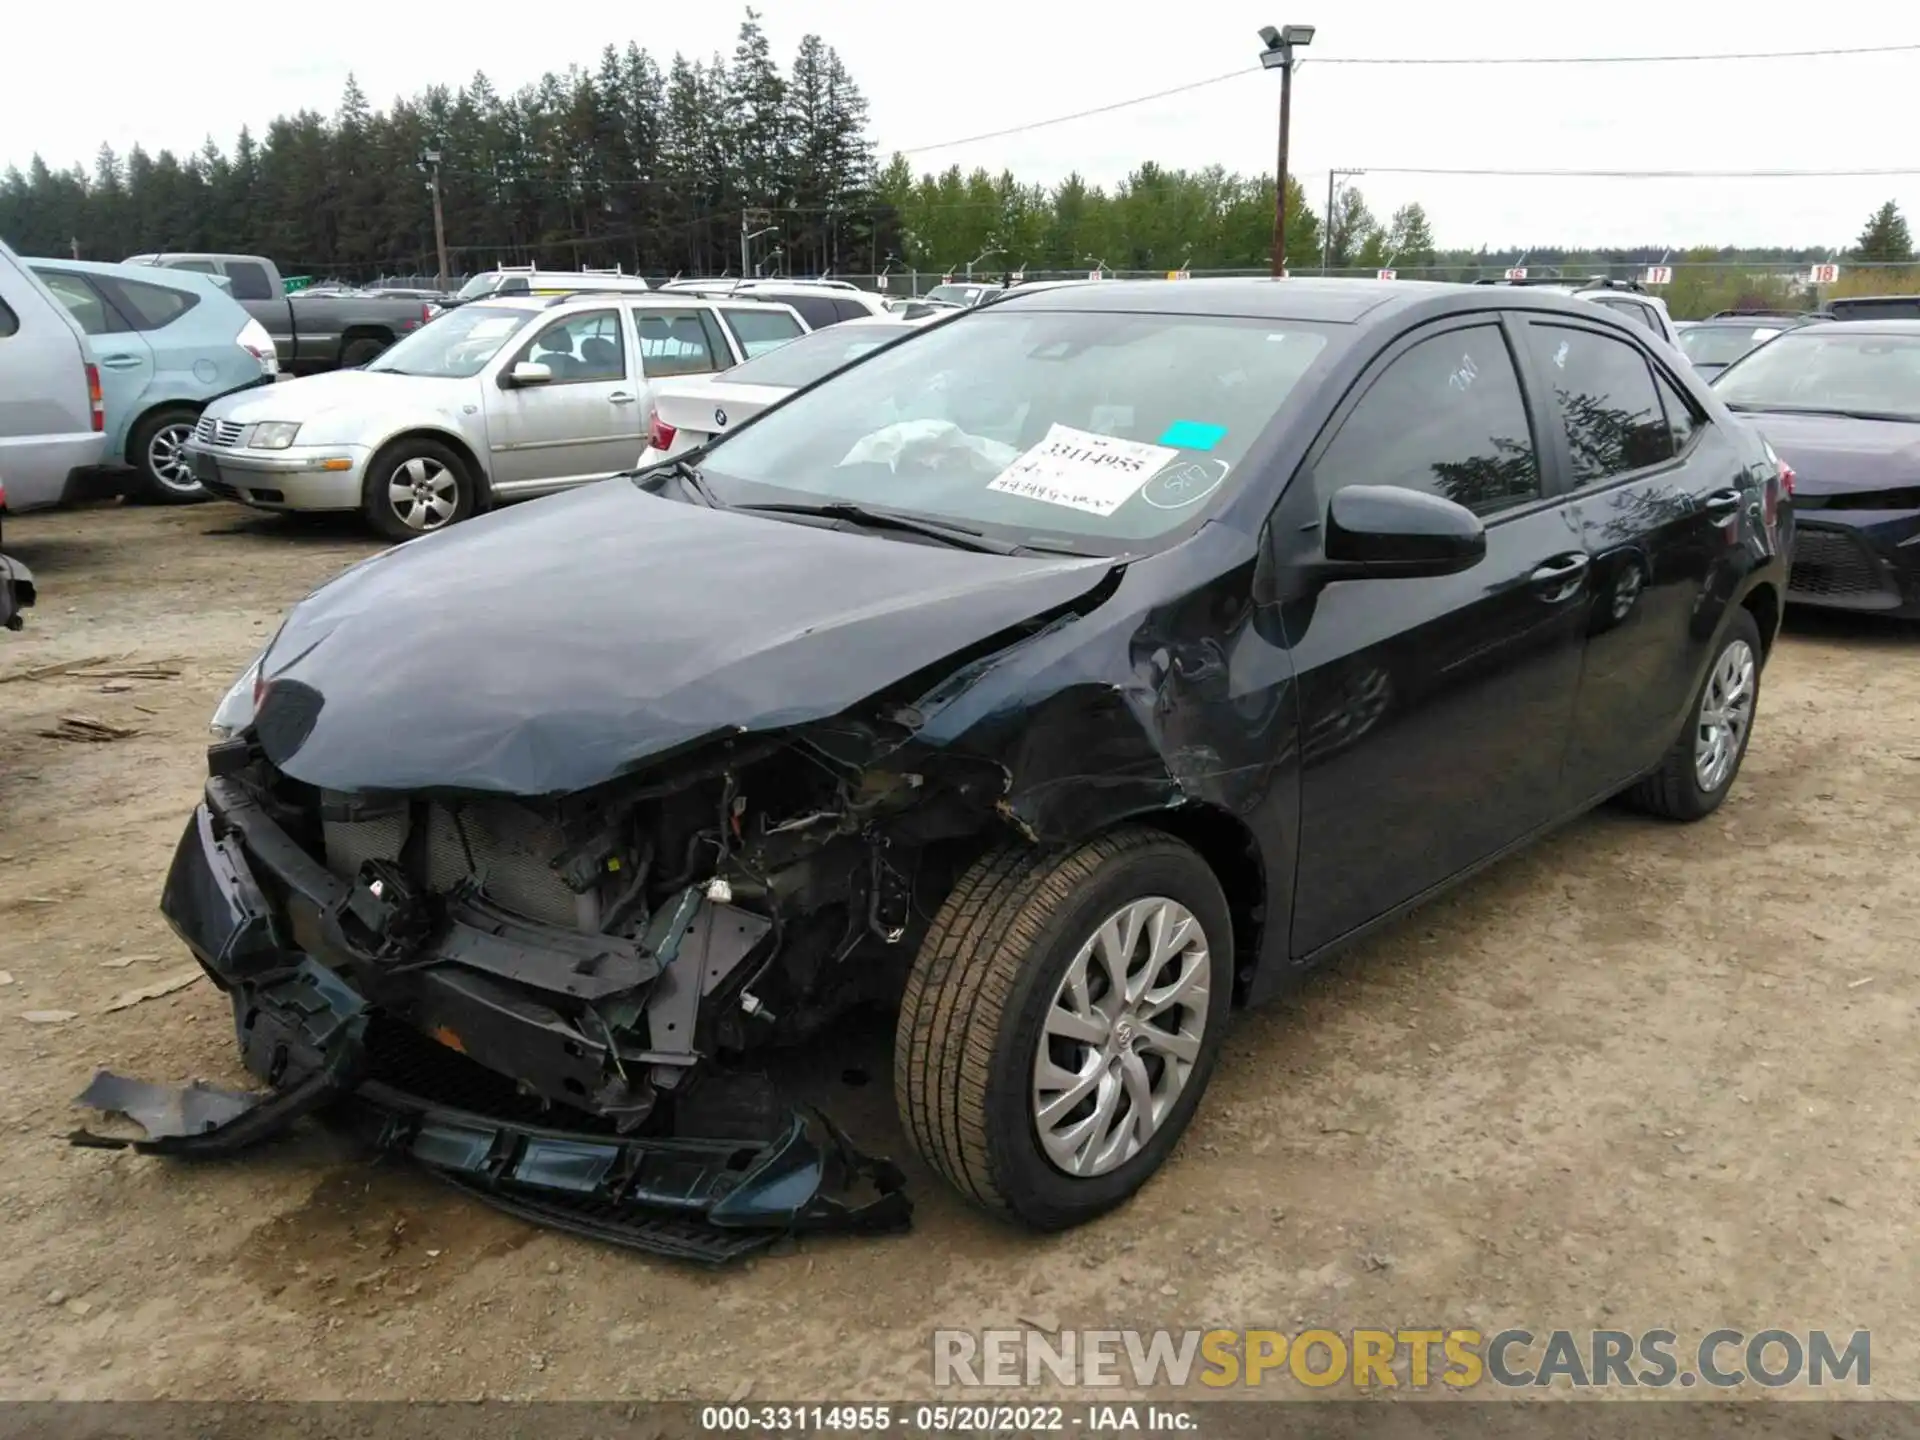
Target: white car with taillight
(692,411)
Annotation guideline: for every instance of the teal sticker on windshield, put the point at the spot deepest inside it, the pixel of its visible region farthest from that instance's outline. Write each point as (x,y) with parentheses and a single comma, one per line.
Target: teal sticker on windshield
(1192,435)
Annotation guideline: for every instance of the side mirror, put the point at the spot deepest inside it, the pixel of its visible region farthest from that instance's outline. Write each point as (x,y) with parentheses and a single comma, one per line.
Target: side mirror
(527,372)
(1389,531)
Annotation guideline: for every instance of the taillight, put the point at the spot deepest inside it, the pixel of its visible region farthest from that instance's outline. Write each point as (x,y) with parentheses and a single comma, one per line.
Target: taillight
(96,400)
(1786,477)
(3,496)
(659,433)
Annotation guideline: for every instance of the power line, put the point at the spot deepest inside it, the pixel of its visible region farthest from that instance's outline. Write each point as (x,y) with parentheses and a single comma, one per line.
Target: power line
(1613,59)
(1192,85)
(1084,114)
(1645,174)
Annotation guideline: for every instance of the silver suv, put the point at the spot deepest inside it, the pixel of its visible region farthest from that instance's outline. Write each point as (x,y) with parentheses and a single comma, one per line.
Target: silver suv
(499,399)
(53,419)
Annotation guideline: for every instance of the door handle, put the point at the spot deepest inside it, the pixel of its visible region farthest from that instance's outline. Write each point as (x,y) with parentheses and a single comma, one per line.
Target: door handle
(120,362)
(1559,577)
(620,397)
(1722,504)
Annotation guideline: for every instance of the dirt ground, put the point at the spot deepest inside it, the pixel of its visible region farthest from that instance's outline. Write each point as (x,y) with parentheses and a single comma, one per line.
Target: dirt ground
(1641,1076)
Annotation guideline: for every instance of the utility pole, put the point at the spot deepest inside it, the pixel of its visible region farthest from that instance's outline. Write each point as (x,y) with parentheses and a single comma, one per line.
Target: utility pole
(1326,245)
(1279,56)
(430,162)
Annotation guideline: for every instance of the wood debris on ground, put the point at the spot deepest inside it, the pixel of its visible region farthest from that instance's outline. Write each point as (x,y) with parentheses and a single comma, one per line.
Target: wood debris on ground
(102,667)
(89,728)
(177,981)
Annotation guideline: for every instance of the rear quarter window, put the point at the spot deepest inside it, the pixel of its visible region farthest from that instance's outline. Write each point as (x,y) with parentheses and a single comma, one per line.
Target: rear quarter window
(147,307)
(9,322)
(249,280)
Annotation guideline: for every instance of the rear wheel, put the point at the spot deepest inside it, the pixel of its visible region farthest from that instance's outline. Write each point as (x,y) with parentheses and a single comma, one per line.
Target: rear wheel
(1700,768)
(157,451)
(1061,1021)
(415,487)
(360,350)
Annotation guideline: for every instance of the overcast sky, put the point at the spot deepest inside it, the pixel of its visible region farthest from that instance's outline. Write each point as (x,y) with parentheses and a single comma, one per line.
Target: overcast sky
(169,78)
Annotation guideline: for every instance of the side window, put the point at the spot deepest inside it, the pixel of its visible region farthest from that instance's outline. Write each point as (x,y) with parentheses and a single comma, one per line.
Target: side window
(1447,418)
(759,331)
(249,280)
(582,348)
(83,302)
(1604,399)
(819,311)
(9,322)
(146,307)
(198,267)
(514,285)
(1681,420)
(850,309)
(674,342)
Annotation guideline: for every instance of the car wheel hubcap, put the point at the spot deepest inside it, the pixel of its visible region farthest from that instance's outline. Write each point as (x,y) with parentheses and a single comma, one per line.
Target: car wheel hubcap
(1121,1037)
(1726,710)
(167,457)
(423,493)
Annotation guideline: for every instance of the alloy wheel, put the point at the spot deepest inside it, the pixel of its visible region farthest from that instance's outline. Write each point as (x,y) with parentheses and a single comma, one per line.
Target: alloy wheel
(423,492)
(1726,713)
(167,458)
(1121,1036)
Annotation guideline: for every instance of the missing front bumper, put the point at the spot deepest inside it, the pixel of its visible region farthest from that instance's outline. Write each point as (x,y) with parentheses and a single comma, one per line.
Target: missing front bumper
(322,1048)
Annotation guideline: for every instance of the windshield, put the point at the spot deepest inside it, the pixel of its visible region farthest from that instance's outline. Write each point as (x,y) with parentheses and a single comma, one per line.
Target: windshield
(1723,344)
(454,345)
(803,361)
(485,283)
(1826,368)
(1112,426)
(959,294)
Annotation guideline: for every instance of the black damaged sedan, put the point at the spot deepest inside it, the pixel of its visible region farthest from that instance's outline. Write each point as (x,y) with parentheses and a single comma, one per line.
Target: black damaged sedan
(1063,678)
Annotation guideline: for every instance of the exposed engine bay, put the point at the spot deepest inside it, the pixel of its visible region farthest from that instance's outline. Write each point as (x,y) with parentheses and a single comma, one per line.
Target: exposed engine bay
(592,971)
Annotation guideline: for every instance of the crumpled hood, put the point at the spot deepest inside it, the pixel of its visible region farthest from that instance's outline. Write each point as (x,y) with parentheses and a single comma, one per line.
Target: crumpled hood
(550,647)
(342,401)
(1833,455)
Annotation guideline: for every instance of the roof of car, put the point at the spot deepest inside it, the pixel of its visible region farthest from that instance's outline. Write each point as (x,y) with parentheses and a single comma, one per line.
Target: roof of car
(1869,327)
(645,299)
(1339,301)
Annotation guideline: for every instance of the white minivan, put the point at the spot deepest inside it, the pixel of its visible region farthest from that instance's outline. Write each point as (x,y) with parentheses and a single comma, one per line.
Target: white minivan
(53,418)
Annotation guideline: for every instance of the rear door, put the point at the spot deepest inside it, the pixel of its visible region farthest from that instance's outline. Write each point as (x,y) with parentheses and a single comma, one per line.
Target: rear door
(582,425)
(125,357)
(1659,491)
(1435,712)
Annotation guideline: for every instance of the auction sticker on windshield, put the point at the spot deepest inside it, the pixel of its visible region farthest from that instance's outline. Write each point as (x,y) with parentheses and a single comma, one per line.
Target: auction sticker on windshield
(1082,470)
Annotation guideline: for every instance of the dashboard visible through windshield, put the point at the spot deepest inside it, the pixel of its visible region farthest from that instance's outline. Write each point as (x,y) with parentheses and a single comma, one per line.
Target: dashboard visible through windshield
(1118,427)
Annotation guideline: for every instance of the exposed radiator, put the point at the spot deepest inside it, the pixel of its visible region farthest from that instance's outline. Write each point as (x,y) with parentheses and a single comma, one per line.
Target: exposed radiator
(510,847)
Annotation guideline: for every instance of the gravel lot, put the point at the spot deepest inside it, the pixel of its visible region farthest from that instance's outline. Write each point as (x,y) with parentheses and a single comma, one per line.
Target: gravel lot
(1641,1076)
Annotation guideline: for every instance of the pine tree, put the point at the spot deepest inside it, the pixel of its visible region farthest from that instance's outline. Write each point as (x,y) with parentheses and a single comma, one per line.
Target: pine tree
(1885,241)
(1410,238)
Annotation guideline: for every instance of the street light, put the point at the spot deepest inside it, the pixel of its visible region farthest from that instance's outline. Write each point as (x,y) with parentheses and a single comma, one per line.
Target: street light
(1279,56)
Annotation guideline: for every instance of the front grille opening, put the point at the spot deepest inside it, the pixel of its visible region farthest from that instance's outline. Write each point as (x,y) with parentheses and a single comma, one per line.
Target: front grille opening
(402,1057)
(1833,565)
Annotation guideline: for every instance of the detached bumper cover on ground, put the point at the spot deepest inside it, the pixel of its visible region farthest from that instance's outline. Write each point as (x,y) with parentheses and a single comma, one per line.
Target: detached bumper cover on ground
(320,1045)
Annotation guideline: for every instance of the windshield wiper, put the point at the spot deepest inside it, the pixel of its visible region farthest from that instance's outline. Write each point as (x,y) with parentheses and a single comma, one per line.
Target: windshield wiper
(693,482)
(1825,410)
(960,537)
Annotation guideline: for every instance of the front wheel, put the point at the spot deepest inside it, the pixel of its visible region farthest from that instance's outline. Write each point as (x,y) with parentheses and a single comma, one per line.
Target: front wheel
(1699,770)
(157,450)
(1061,1021)
(415,487)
